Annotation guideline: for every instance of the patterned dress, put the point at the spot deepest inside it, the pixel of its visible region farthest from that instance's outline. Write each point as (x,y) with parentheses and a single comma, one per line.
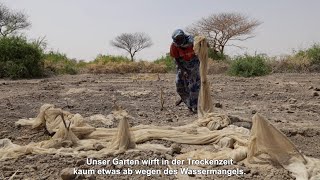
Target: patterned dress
(188,76)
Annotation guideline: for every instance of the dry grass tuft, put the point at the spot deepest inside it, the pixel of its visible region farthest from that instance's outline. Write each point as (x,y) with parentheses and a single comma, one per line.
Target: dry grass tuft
(126,67)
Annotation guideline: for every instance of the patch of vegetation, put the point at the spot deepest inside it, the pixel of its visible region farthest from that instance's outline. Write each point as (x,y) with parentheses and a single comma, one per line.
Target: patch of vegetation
(312,53)
(290,64)
(126,67)
(302,61)
(249,66)
(216,56)
(19,58)
(59,63)
(104,59)
(168,61)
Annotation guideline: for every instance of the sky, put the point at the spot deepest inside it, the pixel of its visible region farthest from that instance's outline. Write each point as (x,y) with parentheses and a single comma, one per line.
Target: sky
(82,29)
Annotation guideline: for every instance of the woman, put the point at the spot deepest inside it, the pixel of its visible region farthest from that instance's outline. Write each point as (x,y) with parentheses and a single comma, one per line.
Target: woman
(187,63)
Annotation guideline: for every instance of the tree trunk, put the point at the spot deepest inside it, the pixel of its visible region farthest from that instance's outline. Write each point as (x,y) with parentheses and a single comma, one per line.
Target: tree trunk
(131,55)
(222,49)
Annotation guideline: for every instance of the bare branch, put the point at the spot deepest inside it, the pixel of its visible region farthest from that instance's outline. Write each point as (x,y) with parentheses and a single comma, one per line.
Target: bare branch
(11,21)
(221,28)
(242,38)
(237,46)
(132,43)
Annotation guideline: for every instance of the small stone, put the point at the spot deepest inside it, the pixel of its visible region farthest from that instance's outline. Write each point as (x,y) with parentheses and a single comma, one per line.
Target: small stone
(317,89)
(254,172)
(66,144)
(253,112)
(140,113)
(67,174)
(80,176)
(119,166)
(92,177)
(246,103)
(8,173)
(56,156)
(254,95)
(310,87)
(80,162)
(30,157)
(293,106)
(31,167)
(7,168)
(246,170)
(176,148)
(289,111)
(277,121)
(98,146)
(168,156)
(218,105)
(45,166)
(44,177)
(315,94)
(169,120)
(158,153)
(234,119)
(247,125)
(292,100)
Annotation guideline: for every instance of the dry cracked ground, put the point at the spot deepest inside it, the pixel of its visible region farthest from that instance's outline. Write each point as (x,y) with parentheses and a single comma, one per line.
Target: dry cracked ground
(290,101)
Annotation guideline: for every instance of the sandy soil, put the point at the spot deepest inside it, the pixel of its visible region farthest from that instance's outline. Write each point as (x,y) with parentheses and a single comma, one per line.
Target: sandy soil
(289,101)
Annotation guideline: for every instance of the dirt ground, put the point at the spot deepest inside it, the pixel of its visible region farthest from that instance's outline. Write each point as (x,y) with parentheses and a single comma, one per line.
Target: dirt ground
(289,101)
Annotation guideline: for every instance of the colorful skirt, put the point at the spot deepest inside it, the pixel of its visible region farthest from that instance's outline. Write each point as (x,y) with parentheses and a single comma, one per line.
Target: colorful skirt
(188,82)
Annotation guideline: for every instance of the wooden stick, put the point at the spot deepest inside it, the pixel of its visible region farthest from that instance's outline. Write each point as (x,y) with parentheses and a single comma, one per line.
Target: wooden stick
(13,175)
(161,99)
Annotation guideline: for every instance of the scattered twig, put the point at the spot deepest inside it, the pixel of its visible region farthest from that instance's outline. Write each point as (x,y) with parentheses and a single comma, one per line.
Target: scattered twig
(64,121)
(178,102)
(114,100)
(9,102)
(13,175)
(161,99)
(134,78)
(115,105)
